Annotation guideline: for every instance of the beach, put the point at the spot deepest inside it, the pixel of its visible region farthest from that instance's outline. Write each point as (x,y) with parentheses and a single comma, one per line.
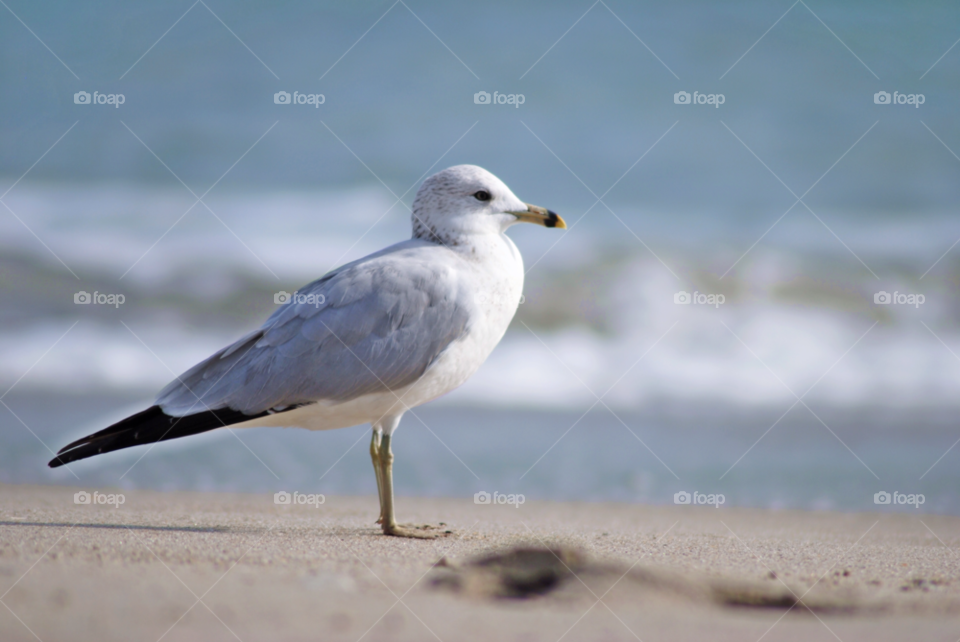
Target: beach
(212,566)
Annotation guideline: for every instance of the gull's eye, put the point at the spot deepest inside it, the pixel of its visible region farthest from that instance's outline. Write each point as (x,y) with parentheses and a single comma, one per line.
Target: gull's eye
(482,195)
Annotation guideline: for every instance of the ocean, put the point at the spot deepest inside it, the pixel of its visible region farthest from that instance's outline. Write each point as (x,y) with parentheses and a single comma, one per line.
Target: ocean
(788,216)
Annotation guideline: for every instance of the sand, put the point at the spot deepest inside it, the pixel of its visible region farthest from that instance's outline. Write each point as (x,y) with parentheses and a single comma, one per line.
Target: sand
(210,566)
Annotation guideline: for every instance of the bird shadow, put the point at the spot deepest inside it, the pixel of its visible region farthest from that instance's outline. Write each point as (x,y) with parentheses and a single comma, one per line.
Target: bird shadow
(133,527)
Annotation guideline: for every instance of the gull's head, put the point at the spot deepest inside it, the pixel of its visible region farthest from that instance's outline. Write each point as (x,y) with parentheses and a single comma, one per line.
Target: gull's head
(464,200)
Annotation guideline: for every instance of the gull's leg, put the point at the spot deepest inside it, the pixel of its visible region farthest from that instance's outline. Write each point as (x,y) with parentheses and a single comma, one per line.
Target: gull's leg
(375,457)
(389,521)
(387,518)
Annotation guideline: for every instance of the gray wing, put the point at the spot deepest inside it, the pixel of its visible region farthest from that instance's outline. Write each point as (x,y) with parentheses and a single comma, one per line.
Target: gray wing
(375,325)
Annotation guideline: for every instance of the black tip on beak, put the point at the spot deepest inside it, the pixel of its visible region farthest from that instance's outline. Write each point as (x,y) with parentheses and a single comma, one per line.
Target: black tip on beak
(552,219)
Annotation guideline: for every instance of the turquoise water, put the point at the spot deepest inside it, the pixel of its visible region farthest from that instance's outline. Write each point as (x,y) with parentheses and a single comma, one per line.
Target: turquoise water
(456,452)
(599,99)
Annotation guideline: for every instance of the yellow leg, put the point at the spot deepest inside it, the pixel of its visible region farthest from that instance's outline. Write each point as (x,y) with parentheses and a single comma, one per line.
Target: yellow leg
(375,457)
(388,520)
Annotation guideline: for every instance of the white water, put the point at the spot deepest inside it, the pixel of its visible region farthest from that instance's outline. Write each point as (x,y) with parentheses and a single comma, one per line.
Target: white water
(762,346)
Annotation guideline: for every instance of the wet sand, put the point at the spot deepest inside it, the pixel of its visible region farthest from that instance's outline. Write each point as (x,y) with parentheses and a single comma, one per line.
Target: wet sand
(210,566)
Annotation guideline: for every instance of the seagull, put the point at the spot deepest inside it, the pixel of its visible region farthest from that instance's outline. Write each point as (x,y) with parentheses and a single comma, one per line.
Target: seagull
(367,341)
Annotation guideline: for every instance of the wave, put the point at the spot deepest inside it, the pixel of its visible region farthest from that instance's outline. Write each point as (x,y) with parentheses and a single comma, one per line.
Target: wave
(797,318)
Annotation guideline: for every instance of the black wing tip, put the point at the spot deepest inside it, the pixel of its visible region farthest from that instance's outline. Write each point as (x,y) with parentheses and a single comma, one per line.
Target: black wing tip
(147,427)
(111,437)
(122,426)
(58,461)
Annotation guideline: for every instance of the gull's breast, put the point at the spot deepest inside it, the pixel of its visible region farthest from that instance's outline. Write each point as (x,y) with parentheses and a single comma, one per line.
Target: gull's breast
(496,285)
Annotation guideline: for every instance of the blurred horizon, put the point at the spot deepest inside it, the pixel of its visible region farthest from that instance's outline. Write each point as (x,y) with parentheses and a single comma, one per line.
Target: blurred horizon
(399,98)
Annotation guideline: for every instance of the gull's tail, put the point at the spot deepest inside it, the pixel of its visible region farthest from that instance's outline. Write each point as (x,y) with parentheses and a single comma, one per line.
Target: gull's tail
(147,427)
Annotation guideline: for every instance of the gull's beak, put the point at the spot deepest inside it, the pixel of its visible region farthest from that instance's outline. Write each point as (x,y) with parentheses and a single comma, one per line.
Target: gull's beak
(540,216)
